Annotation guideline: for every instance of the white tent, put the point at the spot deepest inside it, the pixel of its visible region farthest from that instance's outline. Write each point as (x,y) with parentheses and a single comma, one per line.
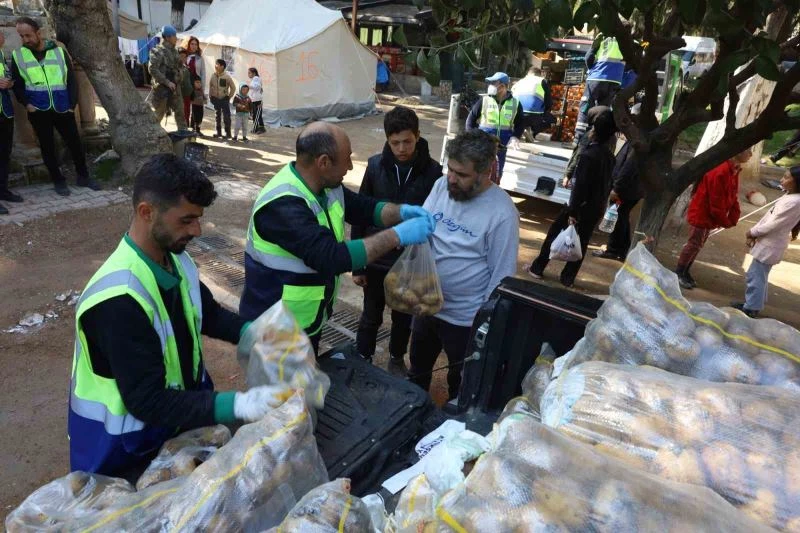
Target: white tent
(310,63)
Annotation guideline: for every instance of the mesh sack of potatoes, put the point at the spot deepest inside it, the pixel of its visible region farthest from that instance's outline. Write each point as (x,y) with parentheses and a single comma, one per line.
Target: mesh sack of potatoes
(416,508)
(180,455)
(250,483)
(412,285)
(283,353)
(742,441)
(646,321)
(329,508)
(537,479)
(55,505)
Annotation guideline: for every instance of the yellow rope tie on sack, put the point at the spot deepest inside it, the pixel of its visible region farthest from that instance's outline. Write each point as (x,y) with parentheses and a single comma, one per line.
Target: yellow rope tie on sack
(289,349)
(117,514)
(412,498)
(706,322)
(449,520)
(346,511)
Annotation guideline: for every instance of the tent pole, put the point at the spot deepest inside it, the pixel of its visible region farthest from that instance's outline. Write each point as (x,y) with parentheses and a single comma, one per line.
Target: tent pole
(353,15)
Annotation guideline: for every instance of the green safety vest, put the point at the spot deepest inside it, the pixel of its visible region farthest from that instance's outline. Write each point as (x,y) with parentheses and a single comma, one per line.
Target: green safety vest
(609,65)
(498,120)
(125,273)
(6,107)
(45,82)
(307,303)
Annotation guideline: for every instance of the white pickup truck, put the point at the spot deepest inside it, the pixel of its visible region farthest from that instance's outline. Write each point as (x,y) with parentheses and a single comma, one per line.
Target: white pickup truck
(524,167)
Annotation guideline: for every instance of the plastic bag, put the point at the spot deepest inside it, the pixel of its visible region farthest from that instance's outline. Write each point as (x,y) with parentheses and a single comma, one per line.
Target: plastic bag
(283,354)
(250,483)
(416,509)
(179,456)
(646,321)
(536,479)
(742,441)
(566,246)
(412,285)
(329,508)
(535,382)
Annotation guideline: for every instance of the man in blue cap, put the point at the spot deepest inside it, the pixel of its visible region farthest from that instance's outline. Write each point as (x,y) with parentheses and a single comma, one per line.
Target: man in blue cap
(166,70)
(500,114)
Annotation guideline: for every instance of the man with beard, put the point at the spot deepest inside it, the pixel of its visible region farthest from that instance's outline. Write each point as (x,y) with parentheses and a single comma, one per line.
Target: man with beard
(137,375)
(475,246)
(295,243)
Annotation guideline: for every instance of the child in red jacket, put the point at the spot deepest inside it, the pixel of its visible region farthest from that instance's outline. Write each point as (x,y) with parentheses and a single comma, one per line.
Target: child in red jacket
(715,204)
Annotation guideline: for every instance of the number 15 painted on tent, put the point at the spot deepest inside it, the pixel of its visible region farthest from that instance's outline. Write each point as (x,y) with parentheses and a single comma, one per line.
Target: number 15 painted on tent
(308,70)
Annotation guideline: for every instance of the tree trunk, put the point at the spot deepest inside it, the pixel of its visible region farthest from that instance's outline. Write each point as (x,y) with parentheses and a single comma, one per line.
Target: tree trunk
(85,28)
(658,177)
(178,7)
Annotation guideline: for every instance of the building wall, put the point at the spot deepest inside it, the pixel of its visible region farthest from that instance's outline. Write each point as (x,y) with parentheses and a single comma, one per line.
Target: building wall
(158,13)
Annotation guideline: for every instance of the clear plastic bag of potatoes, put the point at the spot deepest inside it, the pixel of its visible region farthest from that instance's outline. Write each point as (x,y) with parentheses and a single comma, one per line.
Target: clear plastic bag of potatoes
(412,285)
(179,456)
(536,480)
(283,353)
(646,321)
(249,484)
(742,441)
(329,508)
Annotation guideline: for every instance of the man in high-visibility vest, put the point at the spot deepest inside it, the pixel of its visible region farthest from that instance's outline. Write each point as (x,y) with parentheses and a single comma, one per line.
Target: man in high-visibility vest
(606,71)
(138,376)
(499,113)
(295,243)
(533,92)
(44,82)
(6,130)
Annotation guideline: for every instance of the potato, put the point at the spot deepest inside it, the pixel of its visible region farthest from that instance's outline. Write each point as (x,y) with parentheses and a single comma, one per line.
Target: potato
(692,425)
(629,455)
(682,349)
(762,507)
(708,338)
(561,498)
(682,466)
(761,413)
(742,335)
(775,368)
(613,507)
(765,469)
(431,298)
(792,472)
(390,282)
(705,312)
(410,298)
(792,525)
(681,324)
(727,474)
(419,285)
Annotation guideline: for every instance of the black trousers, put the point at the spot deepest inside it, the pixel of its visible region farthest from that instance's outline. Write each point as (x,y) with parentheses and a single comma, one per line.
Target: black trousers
(222,109)
(197,115)
(44,123)
(255,114)
(789,147)
(372,318)
(6,142)
(619,241)
(585,227)
(428,336)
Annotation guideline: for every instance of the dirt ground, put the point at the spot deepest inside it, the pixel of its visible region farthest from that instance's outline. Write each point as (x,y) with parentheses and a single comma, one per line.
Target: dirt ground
(49,256)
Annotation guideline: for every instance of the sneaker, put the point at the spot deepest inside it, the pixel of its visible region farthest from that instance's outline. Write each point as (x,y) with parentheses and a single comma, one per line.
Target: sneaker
(235,139)
(689,278)
(245,140)
(535,275)
(685,282)
(227,136)
(89,183)
(217,135)
(568,283)
(397,367)
(3,210)
(9,196)
(605,254)
(62,189)
(749,312)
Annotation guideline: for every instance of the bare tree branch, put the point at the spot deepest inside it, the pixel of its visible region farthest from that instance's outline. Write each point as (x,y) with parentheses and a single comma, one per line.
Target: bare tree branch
(733,103)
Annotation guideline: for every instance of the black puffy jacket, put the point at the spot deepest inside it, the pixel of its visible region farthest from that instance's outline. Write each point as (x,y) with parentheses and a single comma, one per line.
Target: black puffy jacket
(382,181)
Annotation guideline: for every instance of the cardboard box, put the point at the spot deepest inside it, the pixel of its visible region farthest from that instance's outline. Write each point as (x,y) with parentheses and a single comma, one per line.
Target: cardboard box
(555,65)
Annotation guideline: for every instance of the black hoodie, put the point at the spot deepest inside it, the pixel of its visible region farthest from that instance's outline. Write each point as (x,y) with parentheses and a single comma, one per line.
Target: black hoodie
(384,181)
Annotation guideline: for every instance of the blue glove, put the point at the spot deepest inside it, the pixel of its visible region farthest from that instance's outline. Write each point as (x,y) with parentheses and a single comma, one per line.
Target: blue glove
(407,212)
(414,231)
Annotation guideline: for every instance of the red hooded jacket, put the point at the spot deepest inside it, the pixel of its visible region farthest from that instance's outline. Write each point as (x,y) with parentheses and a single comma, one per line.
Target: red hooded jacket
(715,203)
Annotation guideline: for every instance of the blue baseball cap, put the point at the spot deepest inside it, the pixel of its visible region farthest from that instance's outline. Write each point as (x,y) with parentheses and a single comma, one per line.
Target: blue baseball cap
(169,31)
(502,77)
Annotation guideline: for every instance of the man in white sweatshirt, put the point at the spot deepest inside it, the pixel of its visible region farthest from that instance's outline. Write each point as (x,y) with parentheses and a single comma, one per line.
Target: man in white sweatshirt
(475,246)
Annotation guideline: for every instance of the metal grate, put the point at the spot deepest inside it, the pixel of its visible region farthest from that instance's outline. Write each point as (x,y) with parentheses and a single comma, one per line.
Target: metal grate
(232,276)
(342,327)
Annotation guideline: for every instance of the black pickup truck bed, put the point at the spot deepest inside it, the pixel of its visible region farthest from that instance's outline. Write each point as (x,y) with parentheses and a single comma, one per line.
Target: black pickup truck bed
(372,420)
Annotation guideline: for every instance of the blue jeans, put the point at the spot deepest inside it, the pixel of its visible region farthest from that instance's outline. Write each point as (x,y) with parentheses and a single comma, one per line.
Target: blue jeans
(755,295)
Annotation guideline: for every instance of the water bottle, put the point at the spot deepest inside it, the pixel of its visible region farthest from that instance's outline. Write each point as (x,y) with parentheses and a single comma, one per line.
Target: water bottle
(609,219)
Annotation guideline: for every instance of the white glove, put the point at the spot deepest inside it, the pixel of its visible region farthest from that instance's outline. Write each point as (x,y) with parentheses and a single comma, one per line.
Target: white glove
(254,404)
(513,143)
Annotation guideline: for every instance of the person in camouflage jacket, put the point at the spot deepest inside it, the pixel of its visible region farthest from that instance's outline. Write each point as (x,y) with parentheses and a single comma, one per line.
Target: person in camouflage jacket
(165,69)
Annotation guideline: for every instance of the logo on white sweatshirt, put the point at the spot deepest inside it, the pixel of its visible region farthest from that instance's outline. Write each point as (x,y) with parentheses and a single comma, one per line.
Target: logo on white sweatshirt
(452,225)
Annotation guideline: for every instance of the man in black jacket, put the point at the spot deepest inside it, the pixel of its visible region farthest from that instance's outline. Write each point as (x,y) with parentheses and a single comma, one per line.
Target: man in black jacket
(403,173)
(626,191)
(592,182)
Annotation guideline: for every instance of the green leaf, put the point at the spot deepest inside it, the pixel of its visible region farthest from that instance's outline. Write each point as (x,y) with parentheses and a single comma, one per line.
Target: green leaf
(410,59)
(692,11)
(399,36)
(422,61)
(466,56)
(433,70)
(767,47)
(533,37)
(440,12)
(584,14)
(486,17)
(767,68)
(561,13)
(438,39)
(496,45)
